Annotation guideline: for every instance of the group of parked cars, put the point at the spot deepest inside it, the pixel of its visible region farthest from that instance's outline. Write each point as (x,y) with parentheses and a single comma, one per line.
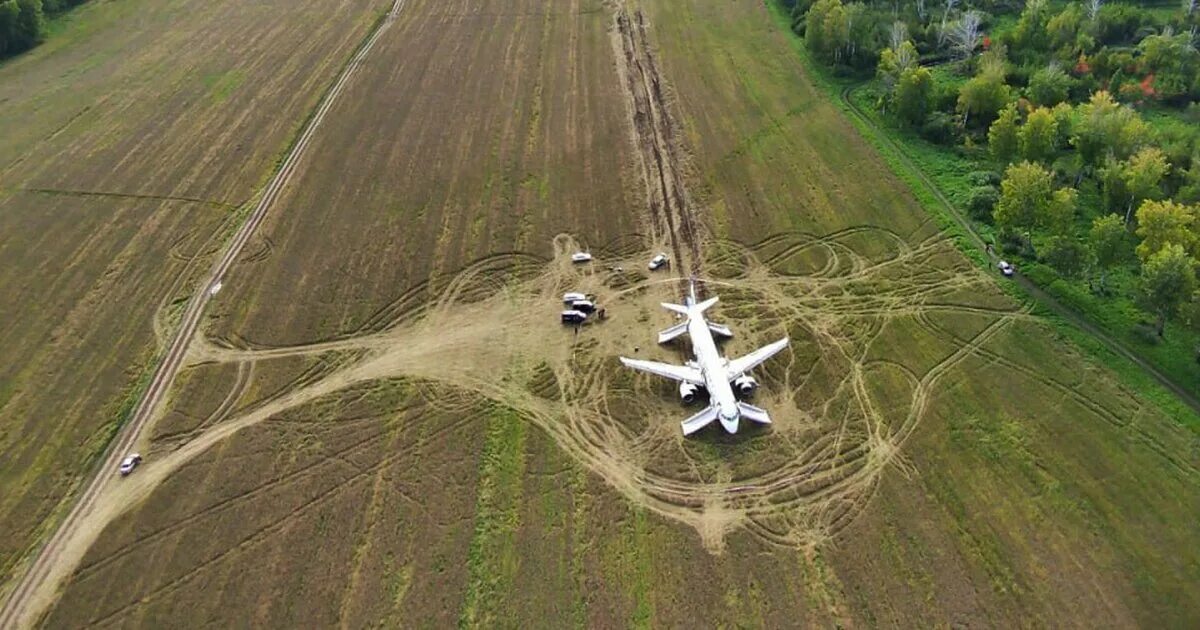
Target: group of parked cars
(581,306)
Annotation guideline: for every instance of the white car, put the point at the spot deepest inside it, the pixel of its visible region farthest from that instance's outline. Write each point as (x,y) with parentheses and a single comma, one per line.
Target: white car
(658,261)
(129,463)
(583,306)
(573,297)
(1006,268)
(581,257)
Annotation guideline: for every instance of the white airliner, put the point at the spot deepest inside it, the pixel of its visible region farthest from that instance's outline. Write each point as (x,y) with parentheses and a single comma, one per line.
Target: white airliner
(709,370)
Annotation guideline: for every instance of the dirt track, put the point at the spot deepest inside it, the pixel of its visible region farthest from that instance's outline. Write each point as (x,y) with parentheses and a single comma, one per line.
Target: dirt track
(672,216)
(36,587)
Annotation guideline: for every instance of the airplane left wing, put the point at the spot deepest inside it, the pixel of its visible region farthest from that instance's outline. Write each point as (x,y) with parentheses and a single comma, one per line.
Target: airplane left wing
(744,364)
(676,372)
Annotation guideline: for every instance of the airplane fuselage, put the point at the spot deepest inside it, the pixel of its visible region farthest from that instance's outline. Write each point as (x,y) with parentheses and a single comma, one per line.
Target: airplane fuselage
(713,366)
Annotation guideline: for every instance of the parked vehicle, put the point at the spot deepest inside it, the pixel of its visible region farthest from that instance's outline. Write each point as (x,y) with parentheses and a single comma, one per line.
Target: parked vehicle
(573,317)
(129,463)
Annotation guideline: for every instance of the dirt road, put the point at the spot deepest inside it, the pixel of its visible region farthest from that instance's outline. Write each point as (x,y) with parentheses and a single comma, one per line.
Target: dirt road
(37,586)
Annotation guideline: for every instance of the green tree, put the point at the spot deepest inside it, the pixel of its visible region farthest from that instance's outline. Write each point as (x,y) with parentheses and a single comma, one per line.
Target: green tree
(1049,86)
(1039,135)
(983,96)
(1028,200)
(828,29)
(913,93)
(1133,181)
(22,25)
(1002,136)
(1162,223)
(1106,128)
(1031,34)
(1063,29)
(1168,282)
(1144,176)
(1109,242)
(894,61)
(1172,61)
(1067,255)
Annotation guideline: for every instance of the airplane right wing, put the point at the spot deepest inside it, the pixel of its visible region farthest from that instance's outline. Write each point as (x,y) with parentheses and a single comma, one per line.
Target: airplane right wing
(700,420)
(741,365)
(676,372)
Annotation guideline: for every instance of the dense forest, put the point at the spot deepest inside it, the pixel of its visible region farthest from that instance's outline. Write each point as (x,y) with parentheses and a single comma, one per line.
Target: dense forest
(23,22)
(1068,131)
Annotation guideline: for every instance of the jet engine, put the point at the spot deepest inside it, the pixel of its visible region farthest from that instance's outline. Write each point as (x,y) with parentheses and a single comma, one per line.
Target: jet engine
(687,392)
(745,384)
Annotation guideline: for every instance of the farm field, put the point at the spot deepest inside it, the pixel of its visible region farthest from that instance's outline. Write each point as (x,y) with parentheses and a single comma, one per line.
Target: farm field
(122,165)
(381,423)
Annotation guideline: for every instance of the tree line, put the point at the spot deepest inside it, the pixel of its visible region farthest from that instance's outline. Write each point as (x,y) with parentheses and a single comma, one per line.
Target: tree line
(1050,103)
(23,22)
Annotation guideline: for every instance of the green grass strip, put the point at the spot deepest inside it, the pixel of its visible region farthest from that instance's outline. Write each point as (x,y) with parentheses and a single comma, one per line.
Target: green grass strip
(492,558)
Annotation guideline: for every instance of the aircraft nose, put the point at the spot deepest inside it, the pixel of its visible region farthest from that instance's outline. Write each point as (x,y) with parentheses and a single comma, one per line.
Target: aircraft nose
(729,419)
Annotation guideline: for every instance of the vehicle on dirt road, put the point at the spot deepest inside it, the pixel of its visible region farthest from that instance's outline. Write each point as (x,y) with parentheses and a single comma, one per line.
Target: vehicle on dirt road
(583,306)
(129,463)
(1006,268)
(581,257)
(658,262)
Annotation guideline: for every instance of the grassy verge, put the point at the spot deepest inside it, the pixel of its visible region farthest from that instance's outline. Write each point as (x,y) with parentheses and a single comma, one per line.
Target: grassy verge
(948,174)
(492,559)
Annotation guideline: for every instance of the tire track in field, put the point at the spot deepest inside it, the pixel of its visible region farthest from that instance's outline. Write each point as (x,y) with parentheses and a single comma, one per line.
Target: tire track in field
(672,217)
(36,587)
(839,437)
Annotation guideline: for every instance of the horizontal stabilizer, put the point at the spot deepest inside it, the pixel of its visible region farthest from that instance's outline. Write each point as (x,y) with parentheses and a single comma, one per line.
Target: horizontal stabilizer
(700,420)
(706,304)
(672,332)
(757,414)
(675,308)
(720,329)
(676,372)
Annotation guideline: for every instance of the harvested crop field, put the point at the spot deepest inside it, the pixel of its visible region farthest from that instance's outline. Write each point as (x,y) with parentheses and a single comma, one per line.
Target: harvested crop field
(381,423)
(123,165)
